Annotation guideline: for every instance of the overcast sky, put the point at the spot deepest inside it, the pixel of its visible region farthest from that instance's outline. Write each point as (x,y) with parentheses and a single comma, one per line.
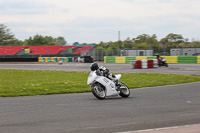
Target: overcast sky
(92,21)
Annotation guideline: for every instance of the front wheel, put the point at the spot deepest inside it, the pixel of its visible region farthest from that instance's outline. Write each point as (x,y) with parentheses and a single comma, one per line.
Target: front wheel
(98,91)
(124,90)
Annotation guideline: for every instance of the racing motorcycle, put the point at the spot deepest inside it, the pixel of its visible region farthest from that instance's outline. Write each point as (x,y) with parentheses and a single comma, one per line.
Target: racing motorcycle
(103,87)
(162,62)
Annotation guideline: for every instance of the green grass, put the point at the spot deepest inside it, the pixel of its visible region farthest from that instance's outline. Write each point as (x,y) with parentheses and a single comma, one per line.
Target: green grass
(31,82)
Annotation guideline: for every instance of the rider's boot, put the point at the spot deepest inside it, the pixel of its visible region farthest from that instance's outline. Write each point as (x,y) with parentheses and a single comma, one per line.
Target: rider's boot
(115,80)
(117,84)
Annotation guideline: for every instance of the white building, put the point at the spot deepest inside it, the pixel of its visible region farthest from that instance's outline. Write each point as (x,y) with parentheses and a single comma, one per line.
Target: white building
(138,52)
(184,51)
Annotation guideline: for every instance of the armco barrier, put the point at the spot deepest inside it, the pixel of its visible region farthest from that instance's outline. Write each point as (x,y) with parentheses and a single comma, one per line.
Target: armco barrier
(141,57)
(129,58)
(151,57)
(198,59)
(110,59)
(169,59)
(120,59)
(187,59)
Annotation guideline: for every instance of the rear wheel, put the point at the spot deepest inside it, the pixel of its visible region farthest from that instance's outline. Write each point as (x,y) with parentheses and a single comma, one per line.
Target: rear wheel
(98,91)
(124,90)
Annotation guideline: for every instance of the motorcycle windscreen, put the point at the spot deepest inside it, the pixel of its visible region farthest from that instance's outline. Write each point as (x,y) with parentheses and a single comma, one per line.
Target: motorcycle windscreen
(118,76)
(91,77)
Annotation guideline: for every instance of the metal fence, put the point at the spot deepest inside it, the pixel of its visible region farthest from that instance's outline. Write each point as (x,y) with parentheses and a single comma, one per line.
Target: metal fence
(98,55)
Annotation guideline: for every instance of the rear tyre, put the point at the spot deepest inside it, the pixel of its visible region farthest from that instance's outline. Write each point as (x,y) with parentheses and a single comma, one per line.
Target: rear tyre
(98,91)
(124,91)
(166,64)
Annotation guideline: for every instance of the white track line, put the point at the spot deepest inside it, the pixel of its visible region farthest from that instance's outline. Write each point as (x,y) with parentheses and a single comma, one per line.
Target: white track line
(157,129)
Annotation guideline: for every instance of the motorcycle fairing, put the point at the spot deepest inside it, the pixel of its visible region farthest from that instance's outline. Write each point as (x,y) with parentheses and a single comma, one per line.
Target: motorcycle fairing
(109,85)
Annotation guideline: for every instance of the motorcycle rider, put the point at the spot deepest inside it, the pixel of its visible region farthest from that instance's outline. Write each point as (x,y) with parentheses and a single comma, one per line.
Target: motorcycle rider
(159,58)
(161,61)
(103,71)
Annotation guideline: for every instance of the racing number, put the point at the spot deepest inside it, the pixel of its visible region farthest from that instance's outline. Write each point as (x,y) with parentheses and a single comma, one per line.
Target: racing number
(105,80)
(111,85)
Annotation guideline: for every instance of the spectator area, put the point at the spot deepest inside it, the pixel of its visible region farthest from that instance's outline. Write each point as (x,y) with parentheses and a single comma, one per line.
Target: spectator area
(42,50)
(83,49)
(10,50)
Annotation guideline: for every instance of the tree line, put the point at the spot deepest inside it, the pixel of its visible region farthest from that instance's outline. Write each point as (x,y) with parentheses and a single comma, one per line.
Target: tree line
(143,41)
(8,39)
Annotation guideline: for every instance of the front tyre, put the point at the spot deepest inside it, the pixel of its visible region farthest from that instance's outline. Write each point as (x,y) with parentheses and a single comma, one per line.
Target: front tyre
(98,91)
(124,91)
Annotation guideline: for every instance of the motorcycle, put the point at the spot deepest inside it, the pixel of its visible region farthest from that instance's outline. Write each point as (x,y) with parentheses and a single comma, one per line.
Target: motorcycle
(103,87)
(162,62)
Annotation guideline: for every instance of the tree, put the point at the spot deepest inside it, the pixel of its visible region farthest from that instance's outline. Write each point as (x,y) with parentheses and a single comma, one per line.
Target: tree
(142,45)
(36,40)
(76,43)
(195,43)
(47,40)
(7,38)
(128,43)
(146,41)
(141,38)
(172,40)
(152,41)
(60,41)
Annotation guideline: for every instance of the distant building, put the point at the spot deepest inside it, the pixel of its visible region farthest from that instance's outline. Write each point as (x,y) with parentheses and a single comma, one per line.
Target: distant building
(138,52)
(184,51)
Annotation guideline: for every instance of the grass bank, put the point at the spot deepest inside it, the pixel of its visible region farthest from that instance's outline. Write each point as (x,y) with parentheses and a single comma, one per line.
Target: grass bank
(35,82)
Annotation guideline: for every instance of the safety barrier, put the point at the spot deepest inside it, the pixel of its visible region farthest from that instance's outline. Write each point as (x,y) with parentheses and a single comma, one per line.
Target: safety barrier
(187,59)
(128,59)
(141,57)
(169,59)
(120,59)
(109,59)
(144,63)
(198,59)
(54,59)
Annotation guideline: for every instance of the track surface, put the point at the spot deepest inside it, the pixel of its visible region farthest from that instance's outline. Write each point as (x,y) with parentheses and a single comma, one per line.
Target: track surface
(116,68)
(147,108)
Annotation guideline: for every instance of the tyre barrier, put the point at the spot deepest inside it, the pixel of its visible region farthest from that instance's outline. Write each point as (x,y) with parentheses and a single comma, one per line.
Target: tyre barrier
(145,63)
(85,59)
(54,59)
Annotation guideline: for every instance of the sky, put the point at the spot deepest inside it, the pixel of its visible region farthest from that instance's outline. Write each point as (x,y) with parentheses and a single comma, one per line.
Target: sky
(92,21)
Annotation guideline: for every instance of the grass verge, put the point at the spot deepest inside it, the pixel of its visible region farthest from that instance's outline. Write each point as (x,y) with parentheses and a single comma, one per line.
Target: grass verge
(35,82)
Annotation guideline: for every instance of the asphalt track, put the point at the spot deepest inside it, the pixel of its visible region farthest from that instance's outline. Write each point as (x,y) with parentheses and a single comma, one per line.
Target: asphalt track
(146,108)
(116,68)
